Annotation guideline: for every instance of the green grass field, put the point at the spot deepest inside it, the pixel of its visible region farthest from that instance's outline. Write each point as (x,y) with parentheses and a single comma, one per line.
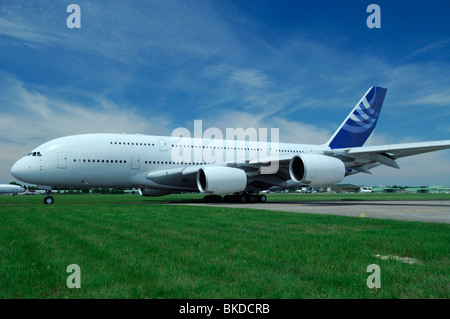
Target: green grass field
(133,247)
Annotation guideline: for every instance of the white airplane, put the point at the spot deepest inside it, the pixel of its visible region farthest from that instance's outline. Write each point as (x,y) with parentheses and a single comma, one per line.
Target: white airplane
(148,162)
(11,189)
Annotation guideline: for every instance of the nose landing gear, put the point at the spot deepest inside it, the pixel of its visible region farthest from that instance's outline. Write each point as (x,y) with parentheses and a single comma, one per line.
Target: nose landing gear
(48,200)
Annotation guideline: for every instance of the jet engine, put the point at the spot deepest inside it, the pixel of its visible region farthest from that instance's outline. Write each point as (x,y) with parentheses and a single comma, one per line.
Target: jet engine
(316,169)
(152,192)
(219,180)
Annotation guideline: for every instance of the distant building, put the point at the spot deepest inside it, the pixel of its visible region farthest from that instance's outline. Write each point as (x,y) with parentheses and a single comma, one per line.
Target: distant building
(416,190)
(340,188)
(424,189)
(384,189)
(438,189)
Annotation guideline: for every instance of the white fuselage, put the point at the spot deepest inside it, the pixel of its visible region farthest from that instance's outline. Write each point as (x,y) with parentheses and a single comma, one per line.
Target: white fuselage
(123,160)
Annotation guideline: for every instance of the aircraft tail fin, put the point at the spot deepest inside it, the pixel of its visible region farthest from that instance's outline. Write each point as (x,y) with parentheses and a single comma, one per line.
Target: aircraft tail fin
(360,123)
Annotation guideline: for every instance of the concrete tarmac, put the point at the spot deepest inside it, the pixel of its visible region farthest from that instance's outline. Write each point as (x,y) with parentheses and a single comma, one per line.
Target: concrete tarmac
(436,211)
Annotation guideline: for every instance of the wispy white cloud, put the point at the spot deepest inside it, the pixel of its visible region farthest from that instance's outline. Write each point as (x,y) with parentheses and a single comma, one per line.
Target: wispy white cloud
(250,78)
(23,32)
(444,128)
(138,32)
(441,98)
(431,48)
(26,112)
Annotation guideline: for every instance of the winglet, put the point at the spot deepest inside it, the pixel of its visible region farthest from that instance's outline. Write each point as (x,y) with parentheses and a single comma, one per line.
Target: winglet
(361,122)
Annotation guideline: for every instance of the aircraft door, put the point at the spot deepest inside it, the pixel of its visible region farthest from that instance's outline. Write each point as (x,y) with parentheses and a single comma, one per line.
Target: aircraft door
(162,144)
(62,160)
(135,162)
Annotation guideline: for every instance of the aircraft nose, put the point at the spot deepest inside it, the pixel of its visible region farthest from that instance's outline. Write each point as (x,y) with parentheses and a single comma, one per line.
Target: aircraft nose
(18,169)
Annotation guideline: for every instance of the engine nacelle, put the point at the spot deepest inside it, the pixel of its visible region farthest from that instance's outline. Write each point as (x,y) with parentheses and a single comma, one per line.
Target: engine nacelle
(219,180)
(316,169)
(152,192)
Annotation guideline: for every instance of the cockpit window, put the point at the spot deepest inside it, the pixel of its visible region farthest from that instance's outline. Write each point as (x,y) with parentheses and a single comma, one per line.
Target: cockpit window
(34,154)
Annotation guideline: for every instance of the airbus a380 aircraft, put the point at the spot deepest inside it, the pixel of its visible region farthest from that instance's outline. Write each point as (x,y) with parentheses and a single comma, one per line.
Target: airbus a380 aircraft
(147,162)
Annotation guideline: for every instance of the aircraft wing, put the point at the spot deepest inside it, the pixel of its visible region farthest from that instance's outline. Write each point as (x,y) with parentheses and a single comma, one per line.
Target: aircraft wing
(261,173)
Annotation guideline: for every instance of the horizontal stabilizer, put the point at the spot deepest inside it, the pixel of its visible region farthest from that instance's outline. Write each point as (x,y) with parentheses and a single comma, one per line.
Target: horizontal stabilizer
(402,150)
(386,160)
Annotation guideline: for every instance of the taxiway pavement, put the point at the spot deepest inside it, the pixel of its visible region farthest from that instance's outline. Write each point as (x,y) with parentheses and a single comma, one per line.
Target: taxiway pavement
(437,211)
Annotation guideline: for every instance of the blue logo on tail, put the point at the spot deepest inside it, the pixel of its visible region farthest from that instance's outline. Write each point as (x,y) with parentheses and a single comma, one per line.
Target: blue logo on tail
(361,122)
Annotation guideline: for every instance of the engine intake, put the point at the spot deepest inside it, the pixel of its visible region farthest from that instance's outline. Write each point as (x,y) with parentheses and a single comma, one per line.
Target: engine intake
(219,180)
(316,169)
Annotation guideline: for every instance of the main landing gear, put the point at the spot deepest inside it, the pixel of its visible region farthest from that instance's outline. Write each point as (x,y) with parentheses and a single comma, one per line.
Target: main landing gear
(236,198)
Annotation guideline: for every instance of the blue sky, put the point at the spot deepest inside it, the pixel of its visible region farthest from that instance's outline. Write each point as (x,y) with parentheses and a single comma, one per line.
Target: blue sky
(152,66)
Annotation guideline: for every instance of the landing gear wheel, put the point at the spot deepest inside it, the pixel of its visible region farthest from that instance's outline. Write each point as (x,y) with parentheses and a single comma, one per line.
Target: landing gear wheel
(245,198)
(48,200)
(212,199)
